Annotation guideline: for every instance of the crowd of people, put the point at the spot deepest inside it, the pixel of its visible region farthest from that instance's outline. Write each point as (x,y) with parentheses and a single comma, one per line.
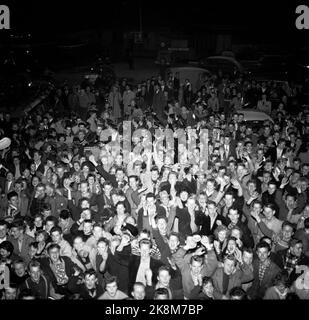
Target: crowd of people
(82,218)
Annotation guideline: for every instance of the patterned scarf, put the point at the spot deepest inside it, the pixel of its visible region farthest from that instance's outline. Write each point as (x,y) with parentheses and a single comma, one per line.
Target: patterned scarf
(262,269)
(59,271)
(290,261)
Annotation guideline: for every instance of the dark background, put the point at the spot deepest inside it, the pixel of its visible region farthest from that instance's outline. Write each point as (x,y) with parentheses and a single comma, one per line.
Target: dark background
(272,20)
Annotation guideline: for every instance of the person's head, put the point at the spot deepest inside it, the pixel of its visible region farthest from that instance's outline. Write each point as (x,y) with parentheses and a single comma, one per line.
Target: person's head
(269,211)
(207,286)
(111,286)
(155,173)
(34,270)
(162,224)
(64,216)
(50,222)
(145,246)
(78,243)
(287,231)
(164,276)
(119,174)
(19,267)
(191,203)
(221,233)
(13,198)
(263,251)
(4,226)
(46,210)
(120,208)
(290,201)
(56,234)
(87,226)
(37,155)
(54,252)
(231,244)
(211,207)
(236,232)
(173,241)
(281,281)
(272,187)
(196,265)
(17,229)
(237,293)
(40,191)
(38,221)
(233,215)
(247,256)
(161,294)
(41,235)
(229,199)
(296,247)
(49,189)
(138,292)
(84,187)
(133,182)
(33,249)
(90,279)
(6,249)
(97,231)
(164,198)
(229,264)
(102,245)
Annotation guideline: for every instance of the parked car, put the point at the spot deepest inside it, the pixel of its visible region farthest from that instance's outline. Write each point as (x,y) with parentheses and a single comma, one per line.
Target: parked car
(255,119)
(193,74)
(269,66)
(227,65)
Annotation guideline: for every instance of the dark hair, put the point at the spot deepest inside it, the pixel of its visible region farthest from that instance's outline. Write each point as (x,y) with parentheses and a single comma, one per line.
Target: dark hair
(65,214)
(207,280)
(281,278)
(55,229)
(161,292)
(8,246)
(53,219)
(34,263)
(18,224)
(111,279)
(238,292)
(102,239)
(145,241)
(263,244)
(53,246)
(164,268)
(197,258)
(90,272)
(11,194)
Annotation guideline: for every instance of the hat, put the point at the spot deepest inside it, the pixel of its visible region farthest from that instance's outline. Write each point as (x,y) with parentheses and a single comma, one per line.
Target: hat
(132,229)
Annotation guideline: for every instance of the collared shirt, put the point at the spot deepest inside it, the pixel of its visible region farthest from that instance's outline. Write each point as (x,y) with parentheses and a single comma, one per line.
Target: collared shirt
(143,266)
(3,239)
(20,243)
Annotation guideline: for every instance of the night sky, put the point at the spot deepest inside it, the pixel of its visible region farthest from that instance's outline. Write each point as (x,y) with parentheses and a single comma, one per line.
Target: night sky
(47,18)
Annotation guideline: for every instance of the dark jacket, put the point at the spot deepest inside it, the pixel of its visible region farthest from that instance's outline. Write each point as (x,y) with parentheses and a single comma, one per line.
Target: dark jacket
(134,263)
(258,289)
(69,270)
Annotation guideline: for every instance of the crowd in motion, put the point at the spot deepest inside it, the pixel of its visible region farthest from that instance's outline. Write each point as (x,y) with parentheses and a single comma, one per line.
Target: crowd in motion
(90,209)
